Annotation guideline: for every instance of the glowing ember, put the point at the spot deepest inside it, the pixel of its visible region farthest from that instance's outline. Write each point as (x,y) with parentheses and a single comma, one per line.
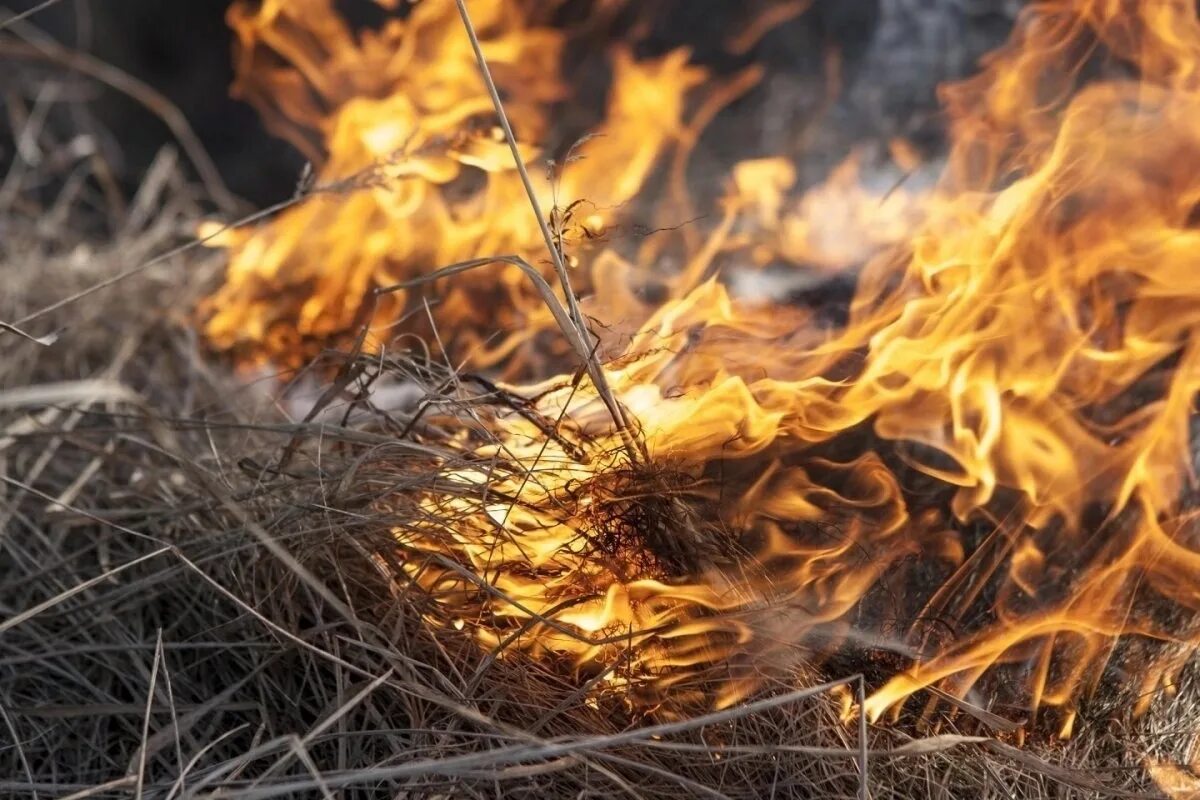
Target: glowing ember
(998,435)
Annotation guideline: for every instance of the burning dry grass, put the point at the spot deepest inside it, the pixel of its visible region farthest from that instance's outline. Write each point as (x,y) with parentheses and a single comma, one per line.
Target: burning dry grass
(218,589)
(197,600)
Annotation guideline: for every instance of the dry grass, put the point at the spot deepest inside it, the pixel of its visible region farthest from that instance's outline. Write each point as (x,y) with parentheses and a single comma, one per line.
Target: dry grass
(192,607)
(194,598)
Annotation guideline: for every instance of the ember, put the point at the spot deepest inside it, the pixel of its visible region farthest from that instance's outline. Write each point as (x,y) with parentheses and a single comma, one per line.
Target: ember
(997,433)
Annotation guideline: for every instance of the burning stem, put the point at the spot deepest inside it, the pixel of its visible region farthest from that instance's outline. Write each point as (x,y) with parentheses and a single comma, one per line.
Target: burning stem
(584,335)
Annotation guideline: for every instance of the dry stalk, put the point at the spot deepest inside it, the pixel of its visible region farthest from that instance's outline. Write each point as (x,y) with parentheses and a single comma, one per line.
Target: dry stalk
(585,352)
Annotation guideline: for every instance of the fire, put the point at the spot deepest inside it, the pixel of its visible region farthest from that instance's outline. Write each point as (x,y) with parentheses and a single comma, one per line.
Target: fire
(986,469)
(841,223)
(421,177)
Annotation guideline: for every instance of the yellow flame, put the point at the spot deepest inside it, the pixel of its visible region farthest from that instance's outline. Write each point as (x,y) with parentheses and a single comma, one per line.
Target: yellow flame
(411,173)
(998,436)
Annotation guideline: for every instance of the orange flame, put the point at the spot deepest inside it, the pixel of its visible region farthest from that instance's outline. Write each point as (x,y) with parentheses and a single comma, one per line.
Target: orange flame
(838,224)
(416,174)
(999,434)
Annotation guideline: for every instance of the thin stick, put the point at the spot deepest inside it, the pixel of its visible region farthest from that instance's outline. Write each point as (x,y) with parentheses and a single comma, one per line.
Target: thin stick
(595,371)
(555,254)
(118,783)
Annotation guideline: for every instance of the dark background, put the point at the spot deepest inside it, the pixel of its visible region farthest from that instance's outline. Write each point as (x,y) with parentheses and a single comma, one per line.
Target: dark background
(893,54)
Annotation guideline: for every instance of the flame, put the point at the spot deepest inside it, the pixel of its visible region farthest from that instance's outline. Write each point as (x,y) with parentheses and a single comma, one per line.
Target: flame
(415,174)
(1176,781)
(862,208)
(996,443)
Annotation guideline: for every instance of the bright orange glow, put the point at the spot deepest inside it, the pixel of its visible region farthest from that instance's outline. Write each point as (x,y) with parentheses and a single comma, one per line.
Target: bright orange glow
(994,448)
